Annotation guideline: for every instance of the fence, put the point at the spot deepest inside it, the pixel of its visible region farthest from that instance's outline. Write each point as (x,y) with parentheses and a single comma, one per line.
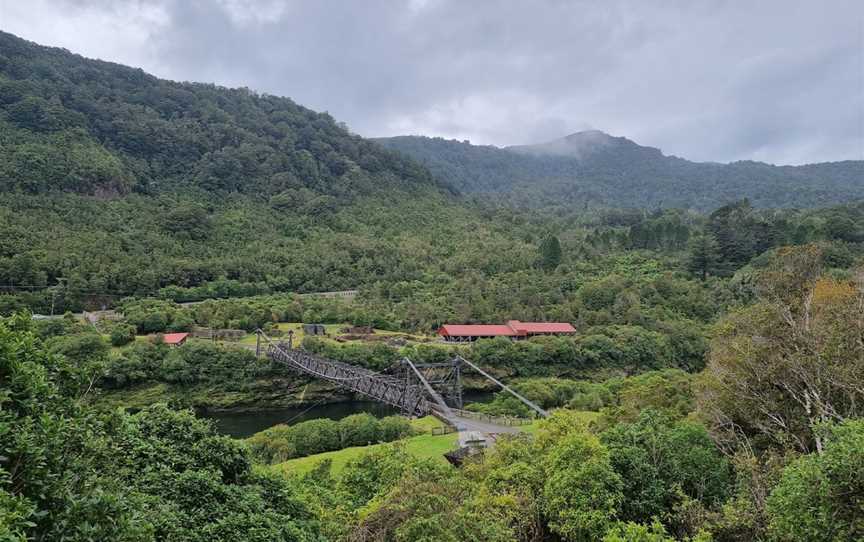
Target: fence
(497,420)
(218,334)
(344,294)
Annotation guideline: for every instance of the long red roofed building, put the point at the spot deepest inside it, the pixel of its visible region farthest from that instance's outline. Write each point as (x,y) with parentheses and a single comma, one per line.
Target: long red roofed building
(513,329)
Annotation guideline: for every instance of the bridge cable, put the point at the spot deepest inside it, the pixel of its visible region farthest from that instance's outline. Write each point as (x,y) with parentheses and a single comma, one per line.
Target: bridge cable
(506,388)
(447,412)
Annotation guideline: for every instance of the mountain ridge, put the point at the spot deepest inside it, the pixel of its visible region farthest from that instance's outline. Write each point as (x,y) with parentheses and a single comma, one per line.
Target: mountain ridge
(597,168)
(93,127)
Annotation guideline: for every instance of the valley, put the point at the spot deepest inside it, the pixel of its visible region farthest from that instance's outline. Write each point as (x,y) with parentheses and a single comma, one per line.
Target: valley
(706,386)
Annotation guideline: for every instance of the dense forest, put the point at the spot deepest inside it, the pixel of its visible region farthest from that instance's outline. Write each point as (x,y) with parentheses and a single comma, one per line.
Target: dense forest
(667,455)
(593,168)
(712,392)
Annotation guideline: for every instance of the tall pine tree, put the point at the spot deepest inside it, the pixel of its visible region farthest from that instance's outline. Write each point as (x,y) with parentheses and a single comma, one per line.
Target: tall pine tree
(550,253)
(703,255)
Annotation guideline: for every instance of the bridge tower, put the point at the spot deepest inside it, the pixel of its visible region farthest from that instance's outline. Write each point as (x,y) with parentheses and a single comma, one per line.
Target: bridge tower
(444,377)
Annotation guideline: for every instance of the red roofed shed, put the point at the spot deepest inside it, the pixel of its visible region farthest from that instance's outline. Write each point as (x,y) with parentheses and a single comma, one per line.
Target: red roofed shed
(175,339)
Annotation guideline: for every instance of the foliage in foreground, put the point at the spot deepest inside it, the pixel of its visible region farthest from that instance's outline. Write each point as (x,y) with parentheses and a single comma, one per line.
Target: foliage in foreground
(638,473)
(282,442)
(68,473)
(648,467)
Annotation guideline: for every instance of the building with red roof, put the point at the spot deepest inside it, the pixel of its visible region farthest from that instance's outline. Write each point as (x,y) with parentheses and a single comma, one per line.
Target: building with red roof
(513,329)
(175,339)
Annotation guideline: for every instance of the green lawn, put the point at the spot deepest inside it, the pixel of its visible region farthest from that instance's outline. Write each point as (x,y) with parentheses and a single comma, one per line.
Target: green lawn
(422,446)
(426,424)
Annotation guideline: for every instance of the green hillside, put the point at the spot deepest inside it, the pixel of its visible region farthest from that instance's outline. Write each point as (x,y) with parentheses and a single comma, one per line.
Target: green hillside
(593,168)
(114,182)
(97,128)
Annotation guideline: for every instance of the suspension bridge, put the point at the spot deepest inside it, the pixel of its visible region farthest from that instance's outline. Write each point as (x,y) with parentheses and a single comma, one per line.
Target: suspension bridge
(416,389)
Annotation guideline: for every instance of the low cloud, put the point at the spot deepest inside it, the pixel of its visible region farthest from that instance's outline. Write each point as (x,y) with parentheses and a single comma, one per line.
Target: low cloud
(778,81)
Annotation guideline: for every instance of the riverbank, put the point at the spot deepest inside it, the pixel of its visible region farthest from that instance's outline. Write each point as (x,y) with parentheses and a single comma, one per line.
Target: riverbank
(244,424)
(262,394)
(257,395)
(240,414)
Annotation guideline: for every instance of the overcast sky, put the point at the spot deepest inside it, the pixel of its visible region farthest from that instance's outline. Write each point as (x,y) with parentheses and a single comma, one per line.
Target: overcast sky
(780,81)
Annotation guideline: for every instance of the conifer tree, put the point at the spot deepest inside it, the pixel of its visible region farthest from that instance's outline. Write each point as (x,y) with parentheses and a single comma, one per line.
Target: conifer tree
(703,255)
(550,253)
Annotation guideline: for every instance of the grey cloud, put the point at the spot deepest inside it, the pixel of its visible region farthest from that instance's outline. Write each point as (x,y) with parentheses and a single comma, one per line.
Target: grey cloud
(780,81)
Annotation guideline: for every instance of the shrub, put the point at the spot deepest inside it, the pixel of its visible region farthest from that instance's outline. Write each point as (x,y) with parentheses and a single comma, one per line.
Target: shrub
(122,334)
(281,442)
(820,496)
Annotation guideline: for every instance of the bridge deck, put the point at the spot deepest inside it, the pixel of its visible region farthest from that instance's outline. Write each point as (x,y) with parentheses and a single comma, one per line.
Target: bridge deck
(384,388)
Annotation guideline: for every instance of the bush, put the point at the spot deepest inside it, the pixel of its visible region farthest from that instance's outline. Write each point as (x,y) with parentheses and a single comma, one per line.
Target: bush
(359,430)
(281,442)
(122,334)
(394,428)
(820,496)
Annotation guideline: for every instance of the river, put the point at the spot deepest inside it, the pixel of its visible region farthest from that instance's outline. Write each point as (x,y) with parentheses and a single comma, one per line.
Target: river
(247,423)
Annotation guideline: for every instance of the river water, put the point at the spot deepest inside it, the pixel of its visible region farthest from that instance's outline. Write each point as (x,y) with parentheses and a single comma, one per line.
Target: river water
(245,424)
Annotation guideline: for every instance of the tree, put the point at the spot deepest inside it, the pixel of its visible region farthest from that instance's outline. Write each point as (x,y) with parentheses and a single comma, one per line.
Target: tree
(581,492)
(637,532)
(668,391)
(512,472)
(122,334)
(804,338)
(188,221)
(702,256)
(81,347)
(820,496)
(733,227)
(662,462)
(550,253)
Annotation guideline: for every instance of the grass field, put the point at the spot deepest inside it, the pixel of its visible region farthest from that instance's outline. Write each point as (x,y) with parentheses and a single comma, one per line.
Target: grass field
(422,446)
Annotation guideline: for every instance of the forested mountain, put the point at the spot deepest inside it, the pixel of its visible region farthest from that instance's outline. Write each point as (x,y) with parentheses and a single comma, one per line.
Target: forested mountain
(92,127)
(114,182)
(595,168)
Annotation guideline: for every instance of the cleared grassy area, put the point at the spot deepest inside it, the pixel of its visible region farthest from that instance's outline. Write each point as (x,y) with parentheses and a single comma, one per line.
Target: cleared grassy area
(422,446)
(426,445)
(426,423)
(333,330)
